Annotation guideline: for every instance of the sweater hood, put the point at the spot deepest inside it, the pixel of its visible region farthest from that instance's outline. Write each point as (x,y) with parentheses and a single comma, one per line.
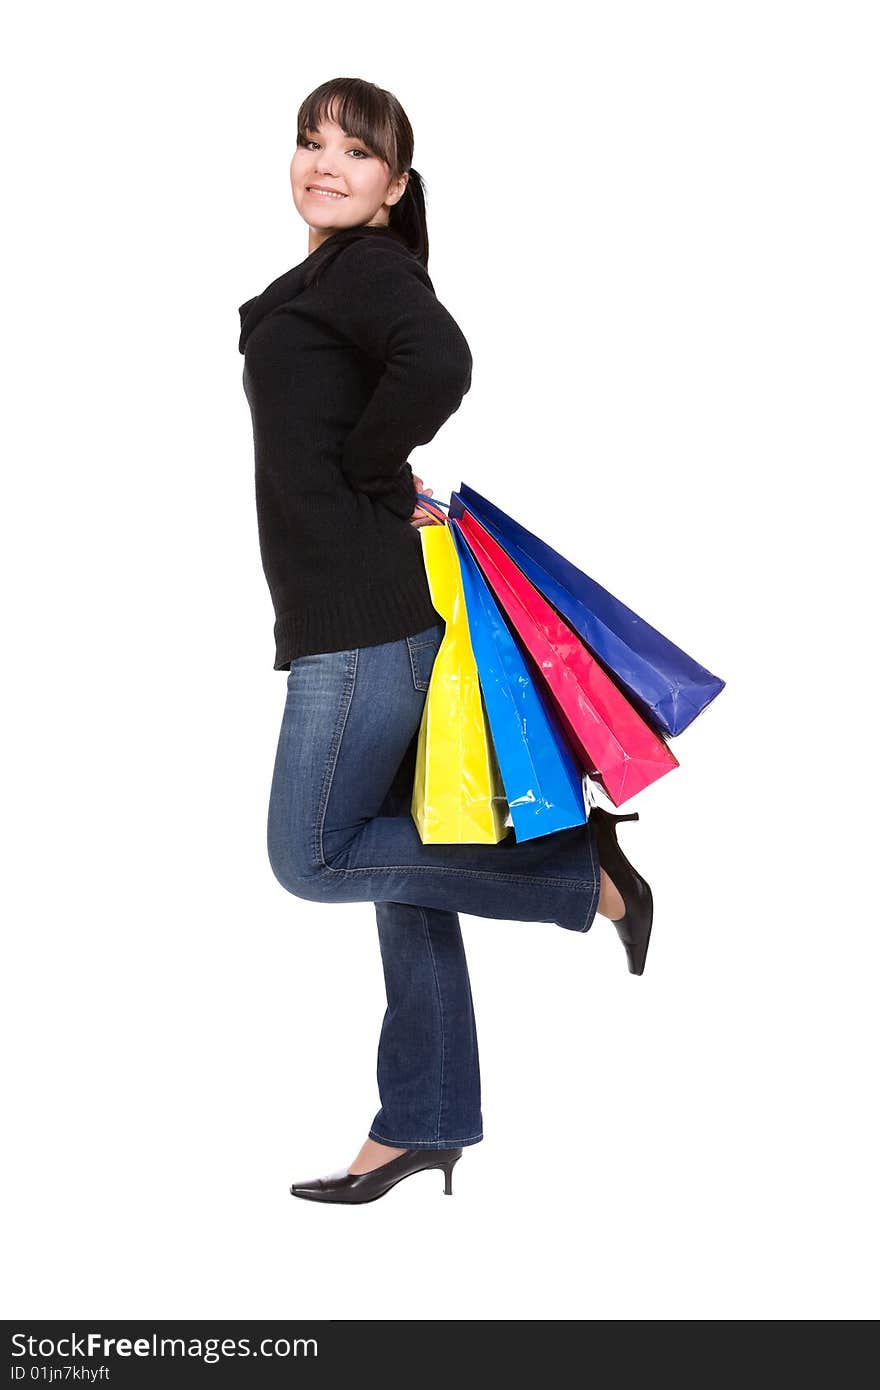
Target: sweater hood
(293,282)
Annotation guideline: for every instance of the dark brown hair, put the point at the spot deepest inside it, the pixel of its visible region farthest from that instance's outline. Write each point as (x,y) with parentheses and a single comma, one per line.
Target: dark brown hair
(375,117)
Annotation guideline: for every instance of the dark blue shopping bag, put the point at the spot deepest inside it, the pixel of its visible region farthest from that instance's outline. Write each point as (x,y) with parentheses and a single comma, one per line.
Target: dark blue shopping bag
(665,685)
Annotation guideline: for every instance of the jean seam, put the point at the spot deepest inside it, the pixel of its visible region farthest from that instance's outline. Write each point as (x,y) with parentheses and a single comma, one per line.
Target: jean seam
(398,1142)
(412,664)
(289,808)
(338,735)
(597,881)
(430,946)
(527,880)
(412,648)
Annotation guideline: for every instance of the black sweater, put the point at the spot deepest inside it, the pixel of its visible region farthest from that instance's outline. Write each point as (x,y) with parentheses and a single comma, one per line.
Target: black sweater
(345,373)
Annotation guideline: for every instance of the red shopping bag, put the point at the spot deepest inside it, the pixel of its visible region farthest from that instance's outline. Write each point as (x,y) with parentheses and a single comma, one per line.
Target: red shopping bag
(615,743)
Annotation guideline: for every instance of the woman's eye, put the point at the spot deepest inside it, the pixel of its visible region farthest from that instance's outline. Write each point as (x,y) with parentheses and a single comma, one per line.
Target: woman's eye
(306,144)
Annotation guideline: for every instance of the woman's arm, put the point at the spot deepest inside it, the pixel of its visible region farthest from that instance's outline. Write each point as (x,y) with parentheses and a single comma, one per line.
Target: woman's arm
(383,301)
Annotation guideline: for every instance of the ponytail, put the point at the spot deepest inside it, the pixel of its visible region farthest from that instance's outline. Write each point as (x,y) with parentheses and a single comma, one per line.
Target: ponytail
(408,217)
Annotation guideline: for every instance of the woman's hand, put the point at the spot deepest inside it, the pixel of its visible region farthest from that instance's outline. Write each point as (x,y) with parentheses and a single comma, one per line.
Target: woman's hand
(420,518)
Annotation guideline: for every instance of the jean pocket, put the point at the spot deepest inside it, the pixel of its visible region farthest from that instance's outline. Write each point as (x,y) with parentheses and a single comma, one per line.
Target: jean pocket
(423,648)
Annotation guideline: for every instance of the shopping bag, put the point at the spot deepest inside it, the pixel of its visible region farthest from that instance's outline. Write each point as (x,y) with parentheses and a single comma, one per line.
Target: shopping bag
(458,795)
(542,783)
(617,746)
(667,687)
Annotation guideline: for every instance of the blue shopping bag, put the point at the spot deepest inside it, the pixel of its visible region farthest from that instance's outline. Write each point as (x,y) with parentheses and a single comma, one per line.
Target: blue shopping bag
(665,685)
(542,781)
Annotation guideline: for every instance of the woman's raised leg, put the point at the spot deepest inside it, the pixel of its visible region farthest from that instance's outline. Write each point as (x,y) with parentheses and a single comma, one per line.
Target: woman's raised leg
(349,719)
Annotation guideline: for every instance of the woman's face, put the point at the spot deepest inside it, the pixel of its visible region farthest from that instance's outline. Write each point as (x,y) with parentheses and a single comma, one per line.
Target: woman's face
(330,159)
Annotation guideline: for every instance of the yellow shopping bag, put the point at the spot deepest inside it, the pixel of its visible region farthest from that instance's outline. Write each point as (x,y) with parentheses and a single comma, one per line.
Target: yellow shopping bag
(458,796)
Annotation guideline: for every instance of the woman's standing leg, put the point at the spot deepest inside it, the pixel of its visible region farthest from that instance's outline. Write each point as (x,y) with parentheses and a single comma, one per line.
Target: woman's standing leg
(428,1066)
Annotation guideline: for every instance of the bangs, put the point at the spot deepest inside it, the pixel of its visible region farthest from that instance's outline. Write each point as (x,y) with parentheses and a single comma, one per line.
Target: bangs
(361,114)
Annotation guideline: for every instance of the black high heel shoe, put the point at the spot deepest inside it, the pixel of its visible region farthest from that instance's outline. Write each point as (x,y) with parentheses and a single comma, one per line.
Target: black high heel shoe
(343,1186)
(634,927)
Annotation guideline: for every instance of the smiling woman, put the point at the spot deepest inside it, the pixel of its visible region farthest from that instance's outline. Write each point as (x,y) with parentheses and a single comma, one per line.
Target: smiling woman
(350,363)
(353,155)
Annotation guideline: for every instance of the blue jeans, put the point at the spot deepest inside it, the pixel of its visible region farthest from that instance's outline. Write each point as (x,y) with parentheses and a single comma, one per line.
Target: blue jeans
(340,831)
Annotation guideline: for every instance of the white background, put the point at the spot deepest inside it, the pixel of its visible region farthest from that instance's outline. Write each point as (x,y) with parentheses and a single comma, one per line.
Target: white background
(658,231)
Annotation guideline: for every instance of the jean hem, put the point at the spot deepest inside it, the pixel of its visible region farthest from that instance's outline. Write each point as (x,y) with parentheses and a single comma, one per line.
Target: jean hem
(597,879)
(425,1143)
(594,912)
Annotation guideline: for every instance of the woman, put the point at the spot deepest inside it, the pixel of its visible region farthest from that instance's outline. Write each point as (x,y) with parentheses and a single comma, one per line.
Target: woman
(350,363)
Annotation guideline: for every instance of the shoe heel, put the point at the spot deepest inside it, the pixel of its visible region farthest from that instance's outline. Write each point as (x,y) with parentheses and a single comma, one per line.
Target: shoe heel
(447,1169)
(634,928)
(611,825)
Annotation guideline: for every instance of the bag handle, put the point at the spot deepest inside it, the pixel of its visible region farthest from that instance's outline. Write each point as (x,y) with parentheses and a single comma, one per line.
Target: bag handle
(427,503)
